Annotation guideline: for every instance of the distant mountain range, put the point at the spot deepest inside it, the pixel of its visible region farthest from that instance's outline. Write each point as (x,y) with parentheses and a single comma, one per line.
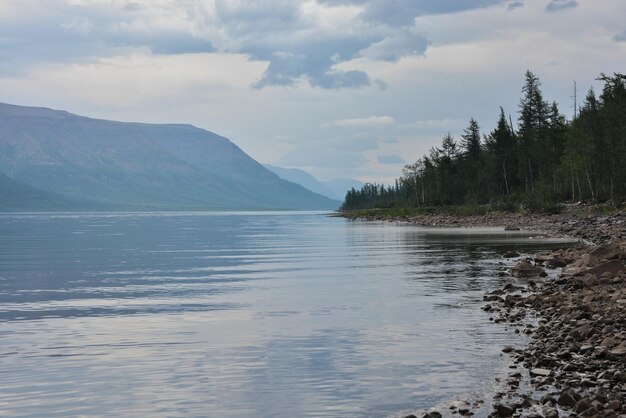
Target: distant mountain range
(54,160)
(333,189)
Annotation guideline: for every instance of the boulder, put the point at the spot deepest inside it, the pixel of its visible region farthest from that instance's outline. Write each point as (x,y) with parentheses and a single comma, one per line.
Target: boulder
(605,252)
(612,267)
(556,262)
(524,269)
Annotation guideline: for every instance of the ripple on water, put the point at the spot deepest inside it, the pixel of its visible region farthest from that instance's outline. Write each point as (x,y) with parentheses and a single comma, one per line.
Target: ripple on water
(232,314)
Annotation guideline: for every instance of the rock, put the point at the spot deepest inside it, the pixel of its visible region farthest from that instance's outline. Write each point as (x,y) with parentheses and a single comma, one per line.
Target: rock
(567,398)
(511,228)
(620,350)
(588,281)
(524,269)
(433,414)
(550,412)
(615,405)
(508,349)
(612,267)
(582,332)
(540,372)
(608,342)
(505,409)
(510,254)
(620,377)
(556,262)
(605,252)
(582,405)
(586,261)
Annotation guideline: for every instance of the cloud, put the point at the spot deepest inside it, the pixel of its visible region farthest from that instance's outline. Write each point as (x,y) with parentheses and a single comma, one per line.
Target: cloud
(438,124)
(372,121)
(397,45)
(557,5)
(381,84)
(390,159)
(389,140)
(298,41)
(403,12)
(514,5)
(620,37)
(321,157)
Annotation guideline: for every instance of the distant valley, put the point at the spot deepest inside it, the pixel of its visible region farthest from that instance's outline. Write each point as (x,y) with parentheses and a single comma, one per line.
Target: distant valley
(55,160)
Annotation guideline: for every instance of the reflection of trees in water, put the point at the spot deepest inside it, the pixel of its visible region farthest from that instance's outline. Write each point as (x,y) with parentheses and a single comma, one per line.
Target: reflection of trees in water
(449,262)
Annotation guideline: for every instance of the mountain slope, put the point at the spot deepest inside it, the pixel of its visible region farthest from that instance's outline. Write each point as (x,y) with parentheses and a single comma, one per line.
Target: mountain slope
(16,196)
(340,186)
(129,166)
(302,178)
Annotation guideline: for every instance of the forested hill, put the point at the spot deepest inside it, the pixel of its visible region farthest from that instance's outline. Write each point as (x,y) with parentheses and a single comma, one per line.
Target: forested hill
(544,160)
(54,160)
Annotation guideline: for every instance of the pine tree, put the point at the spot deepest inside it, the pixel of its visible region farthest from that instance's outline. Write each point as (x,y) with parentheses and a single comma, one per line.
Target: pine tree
(531,130)
(500,144)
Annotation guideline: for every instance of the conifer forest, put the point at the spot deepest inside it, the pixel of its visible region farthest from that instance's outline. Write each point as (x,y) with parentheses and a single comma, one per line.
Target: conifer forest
(535,162)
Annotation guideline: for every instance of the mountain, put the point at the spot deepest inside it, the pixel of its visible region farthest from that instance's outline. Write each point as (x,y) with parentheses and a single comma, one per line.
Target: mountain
(339,187)
(16,196)
(133,166)
(304,179)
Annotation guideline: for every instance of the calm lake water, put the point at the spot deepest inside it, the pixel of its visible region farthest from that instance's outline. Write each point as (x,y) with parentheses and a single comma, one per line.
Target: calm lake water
(244,314)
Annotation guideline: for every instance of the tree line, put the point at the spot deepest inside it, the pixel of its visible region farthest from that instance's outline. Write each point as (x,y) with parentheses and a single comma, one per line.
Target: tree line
(543,161)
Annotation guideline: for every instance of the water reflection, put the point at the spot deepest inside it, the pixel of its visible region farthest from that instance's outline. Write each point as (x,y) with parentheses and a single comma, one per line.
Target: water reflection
(273,315)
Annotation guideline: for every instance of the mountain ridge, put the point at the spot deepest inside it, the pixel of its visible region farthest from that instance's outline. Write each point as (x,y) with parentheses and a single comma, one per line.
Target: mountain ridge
(130,165)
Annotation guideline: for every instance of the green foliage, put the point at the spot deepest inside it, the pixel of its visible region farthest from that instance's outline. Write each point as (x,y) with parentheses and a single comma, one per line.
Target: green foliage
(546,161)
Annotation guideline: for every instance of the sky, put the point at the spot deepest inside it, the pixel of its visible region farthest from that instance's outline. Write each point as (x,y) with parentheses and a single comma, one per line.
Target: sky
(339,88)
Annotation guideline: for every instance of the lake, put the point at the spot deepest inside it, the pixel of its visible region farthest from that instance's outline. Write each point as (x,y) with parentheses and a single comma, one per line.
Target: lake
(242,314)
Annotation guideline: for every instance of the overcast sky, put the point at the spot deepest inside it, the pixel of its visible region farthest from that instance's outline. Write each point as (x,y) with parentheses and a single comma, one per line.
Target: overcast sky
(340,88)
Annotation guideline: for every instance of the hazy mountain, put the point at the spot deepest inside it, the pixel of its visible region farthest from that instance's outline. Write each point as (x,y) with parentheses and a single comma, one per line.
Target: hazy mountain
(129,166)
(304,179)
(339,187)
(16,196)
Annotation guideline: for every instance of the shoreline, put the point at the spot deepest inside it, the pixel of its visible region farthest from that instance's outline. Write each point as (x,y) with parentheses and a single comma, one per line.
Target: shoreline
(575,360)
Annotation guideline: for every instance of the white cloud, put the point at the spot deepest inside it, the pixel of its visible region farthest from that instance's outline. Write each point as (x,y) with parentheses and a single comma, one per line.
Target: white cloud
(369,122)
(139,79)
(390,159)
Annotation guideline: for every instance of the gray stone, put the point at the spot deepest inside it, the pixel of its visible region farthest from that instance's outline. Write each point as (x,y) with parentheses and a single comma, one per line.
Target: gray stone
(540,372)
(567,398)
(550,412)
(620,350)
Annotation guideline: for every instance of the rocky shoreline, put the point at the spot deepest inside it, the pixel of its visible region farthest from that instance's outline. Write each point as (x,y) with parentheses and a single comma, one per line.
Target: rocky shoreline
(575,362)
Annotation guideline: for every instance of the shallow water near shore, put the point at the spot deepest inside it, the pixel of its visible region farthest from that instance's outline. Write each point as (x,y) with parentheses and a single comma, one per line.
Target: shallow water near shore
(238,314)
